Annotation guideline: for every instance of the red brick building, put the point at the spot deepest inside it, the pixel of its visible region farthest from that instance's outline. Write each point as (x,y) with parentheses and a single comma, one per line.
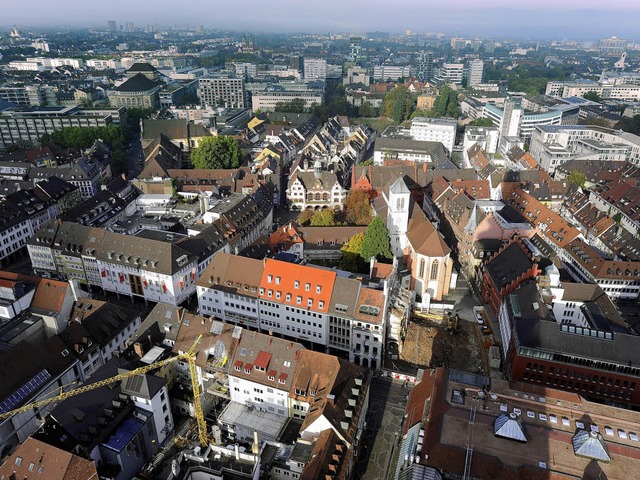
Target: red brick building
(505,271)
(600,362)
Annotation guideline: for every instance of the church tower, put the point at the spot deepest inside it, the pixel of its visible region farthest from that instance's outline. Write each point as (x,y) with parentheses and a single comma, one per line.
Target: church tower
(398,216)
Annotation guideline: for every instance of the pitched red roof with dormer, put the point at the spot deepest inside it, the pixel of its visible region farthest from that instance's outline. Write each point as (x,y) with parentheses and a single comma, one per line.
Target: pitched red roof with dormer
(297,285)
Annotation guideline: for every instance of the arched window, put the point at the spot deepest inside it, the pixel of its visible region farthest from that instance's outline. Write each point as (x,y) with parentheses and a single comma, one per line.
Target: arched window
(421,268)
(434,270)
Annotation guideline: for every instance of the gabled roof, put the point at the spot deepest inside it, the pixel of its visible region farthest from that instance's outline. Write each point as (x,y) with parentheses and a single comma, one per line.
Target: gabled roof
(508,265)
(39,460)
(308,287)
(173,128)
(555,228)
(281,366)
(142,67)
(138,83)
(399,187)
(425,239)
(233,273)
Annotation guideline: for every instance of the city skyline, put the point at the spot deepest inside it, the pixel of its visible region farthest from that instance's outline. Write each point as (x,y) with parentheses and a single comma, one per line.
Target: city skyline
(545,19)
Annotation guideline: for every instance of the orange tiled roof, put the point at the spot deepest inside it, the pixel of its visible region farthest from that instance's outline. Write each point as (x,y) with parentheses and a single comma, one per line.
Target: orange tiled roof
(555,228)
(370,298)
(478,189)
(297,285)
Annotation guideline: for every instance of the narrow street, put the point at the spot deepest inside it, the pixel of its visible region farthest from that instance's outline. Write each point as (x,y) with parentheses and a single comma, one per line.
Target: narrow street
(387,403)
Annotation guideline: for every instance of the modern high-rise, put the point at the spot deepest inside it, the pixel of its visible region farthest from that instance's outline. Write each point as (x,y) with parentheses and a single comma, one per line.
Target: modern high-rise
(612,45)
(382,73)
(458,43)
(315,69)
(31,123)
(246,70)
(222,91)
(355,50)
(268,100)
(474,72)
(425,66)
(112,26)
(451,73)
(441,130)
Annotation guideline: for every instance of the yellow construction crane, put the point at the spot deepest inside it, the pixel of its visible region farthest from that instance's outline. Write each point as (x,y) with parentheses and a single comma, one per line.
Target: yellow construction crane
(189,356)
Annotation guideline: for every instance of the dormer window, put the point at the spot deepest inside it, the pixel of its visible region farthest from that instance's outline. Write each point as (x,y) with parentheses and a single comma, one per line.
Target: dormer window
(310,302)
(318,288)
(299,300)
(296,284)
(278,280)
(320,304)
(288,297)
(269,278)
(307,287)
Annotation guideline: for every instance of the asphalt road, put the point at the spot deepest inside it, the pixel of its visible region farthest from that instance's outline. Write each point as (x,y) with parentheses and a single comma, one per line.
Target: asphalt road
(134,159)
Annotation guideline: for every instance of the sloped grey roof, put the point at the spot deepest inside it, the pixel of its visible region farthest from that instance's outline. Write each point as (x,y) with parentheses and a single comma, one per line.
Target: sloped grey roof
(399,187)
(510,426)
(590,445)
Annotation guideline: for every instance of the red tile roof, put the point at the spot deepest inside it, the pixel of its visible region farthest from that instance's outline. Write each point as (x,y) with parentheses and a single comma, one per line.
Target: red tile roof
(555,228)
(262,360)
(478,189)
(298,285)
(381,270)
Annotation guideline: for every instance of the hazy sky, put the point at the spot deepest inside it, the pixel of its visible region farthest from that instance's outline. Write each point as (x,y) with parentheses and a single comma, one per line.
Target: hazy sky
(540,18)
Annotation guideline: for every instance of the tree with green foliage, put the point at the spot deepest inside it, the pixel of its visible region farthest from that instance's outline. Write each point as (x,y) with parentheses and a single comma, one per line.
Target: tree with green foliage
(397,104)
(358,208)
(354,244)
(446,104)
(367,110)
(630,124)
(351,259)
(84,137)
(592,95)
(577,178)
(305,217)
(324,218)
(420,113)
(216,152)
(295,106)
(617,218)
(376,241)
(134,115)
(481,122)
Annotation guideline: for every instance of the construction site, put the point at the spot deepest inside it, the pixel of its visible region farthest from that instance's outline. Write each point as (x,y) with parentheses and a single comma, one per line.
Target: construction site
(439,340)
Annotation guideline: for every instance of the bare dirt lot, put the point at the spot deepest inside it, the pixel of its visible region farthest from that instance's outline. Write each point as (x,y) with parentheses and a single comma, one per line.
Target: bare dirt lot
(428,344)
